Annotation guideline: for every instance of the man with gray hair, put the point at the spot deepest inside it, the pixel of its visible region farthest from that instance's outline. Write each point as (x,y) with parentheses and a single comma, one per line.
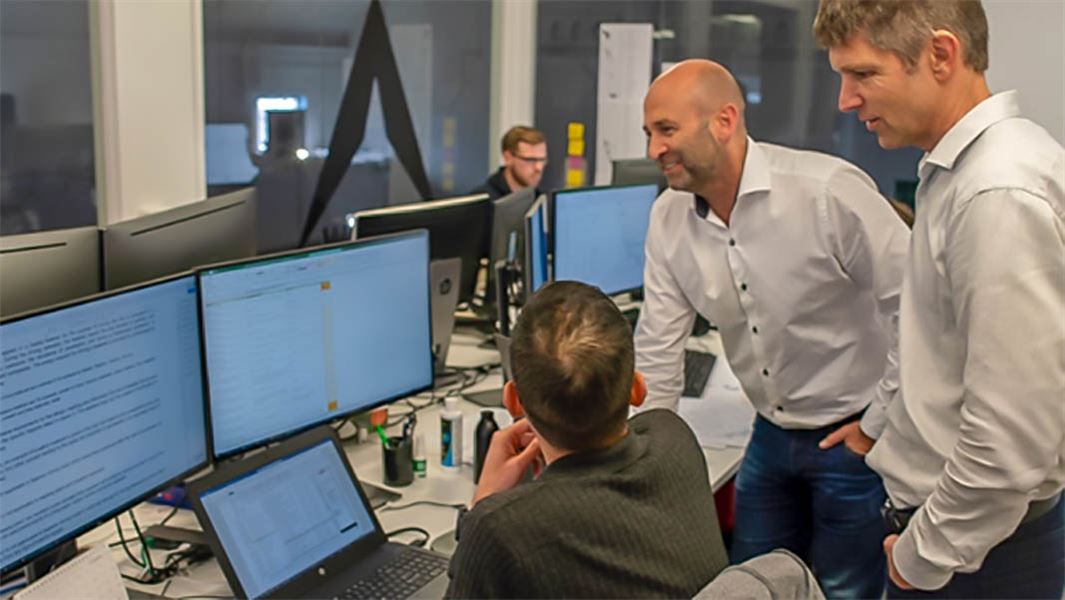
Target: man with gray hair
(973,454)
(798,260)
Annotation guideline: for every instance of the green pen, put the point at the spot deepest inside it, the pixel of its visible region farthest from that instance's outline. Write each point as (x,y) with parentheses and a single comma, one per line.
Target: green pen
(381,433)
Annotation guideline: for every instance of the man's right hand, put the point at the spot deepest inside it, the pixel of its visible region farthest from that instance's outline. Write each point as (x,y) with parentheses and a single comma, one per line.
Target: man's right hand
(852,436)
(510,454)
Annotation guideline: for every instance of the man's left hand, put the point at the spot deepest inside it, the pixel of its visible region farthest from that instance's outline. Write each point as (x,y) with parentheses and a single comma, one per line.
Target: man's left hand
(893,573)
(852,436)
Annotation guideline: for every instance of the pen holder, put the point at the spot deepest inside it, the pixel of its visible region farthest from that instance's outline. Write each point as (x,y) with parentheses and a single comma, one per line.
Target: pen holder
(399,462)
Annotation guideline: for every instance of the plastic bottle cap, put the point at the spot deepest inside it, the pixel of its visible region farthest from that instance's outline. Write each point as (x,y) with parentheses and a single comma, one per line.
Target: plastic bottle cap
(451,404)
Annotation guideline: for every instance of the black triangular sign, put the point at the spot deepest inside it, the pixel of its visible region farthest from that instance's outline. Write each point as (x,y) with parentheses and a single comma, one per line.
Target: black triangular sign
(374,60)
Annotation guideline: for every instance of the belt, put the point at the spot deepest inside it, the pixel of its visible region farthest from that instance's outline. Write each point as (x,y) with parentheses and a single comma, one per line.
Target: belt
(896,519)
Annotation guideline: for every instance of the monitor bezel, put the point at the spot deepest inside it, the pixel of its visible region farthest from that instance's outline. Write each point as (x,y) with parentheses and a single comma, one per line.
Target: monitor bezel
(541,201)
(219,456)
(553,214)
(23,561)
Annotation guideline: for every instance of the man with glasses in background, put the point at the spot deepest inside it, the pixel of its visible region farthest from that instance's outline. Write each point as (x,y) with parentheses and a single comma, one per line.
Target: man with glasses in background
(524,159)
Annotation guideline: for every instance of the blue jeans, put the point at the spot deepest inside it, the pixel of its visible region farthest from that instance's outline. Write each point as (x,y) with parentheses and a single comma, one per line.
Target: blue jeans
(1028,564)
(823,505)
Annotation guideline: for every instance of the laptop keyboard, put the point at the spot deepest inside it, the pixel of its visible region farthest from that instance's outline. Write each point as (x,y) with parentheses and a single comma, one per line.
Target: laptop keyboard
(697,367)
(405,574)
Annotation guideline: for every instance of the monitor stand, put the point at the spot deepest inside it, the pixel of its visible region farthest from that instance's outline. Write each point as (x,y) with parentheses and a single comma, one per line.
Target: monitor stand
(378,496)
(486,398)
(44,564)
(445,543)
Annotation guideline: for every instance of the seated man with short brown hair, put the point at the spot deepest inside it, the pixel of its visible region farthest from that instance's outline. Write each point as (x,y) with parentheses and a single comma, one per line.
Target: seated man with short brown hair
(623,508)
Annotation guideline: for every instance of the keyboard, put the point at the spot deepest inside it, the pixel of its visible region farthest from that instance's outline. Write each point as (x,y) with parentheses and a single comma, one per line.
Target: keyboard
(401,577)
(697,367)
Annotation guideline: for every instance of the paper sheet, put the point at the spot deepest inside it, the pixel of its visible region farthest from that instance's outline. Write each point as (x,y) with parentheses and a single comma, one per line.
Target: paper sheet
(722,416)
(91,575)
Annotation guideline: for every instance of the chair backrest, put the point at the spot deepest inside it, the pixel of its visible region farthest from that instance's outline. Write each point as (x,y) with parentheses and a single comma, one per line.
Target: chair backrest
(778,574)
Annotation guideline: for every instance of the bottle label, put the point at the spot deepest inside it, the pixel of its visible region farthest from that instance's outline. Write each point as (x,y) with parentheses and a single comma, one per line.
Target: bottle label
(450,453)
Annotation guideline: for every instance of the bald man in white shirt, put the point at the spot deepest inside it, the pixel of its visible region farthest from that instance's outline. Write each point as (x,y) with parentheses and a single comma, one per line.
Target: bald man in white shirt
(798,261)
(973,454)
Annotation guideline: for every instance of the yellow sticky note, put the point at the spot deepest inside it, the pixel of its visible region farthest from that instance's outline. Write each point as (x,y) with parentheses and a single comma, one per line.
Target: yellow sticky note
(326,286)
(575,131)
(575,148)
(574,178)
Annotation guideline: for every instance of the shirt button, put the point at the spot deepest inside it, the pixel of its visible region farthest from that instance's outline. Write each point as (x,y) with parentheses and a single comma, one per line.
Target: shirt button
(731,242)
(754,329)
(743,286)
(765,372)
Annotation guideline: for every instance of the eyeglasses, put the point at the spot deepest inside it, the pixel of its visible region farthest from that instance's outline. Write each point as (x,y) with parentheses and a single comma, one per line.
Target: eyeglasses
(536,160)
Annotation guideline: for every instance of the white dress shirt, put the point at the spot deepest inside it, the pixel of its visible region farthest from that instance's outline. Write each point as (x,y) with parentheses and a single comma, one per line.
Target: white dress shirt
(979,429)
(803,285)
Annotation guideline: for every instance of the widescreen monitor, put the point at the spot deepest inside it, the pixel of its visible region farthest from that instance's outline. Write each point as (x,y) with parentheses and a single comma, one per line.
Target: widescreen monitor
(214,230)
(536,260)
(48,267)
(297,339)
(102,405)
(636,171)
(598,236)
(458,228)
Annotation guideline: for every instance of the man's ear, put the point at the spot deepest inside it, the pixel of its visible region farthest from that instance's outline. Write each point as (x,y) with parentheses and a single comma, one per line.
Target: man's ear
(507,158)
(639,389)
(725,123)
(945,57)
(511,400)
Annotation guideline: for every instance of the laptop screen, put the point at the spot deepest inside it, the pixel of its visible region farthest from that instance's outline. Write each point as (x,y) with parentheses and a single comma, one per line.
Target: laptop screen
(276,522)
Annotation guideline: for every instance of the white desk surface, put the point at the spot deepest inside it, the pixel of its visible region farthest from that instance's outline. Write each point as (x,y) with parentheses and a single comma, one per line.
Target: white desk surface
(451,486)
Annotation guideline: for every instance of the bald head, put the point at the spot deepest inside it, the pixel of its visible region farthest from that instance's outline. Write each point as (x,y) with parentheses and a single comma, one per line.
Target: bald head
(707,85)
(693,118)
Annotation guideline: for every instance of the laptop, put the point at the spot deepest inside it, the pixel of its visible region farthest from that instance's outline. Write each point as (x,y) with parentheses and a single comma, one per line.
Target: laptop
(292,522)
(444,280)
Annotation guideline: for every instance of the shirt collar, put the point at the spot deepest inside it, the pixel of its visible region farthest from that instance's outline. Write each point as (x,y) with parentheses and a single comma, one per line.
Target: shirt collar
(1001,106)
(612,459)
(754,178)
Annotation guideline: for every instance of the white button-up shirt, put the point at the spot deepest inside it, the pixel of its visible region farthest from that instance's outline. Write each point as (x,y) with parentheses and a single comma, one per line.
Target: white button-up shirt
(979,429)
(803,285)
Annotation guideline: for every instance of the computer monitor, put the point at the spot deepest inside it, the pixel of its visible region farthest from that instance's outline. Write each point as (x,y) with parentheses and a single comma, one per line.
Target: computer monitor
(536,262)
(48,267)
(297,339)
(214,230)
(102,406)
(458,227)
(636,171)
(507,242)
(598,235)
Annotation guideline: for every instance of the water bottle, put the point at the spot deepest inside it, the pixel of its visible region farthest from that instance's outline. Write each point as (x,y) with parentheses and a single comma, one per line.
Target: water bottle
(485,428)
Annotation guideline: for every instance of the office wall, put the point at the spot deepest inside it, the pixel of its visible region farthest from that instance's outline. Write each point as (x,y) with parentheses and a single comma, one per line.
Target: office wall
(1027,53)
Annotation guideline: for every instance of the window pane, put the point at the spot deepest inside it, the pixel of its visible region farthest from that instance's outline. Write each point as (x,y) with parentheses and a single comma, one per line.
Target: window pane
(791,91)
(275,73)
(47,176)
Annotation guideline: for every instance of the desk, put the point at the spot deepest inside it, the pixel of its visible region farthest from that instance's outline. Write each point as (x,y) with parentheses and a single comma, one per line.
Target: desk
(450,486)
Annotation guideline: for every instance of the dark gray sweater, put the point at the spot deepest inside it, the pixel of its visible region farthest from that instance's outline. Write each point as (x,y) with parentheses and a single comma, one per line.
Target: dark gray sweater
(634,520)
